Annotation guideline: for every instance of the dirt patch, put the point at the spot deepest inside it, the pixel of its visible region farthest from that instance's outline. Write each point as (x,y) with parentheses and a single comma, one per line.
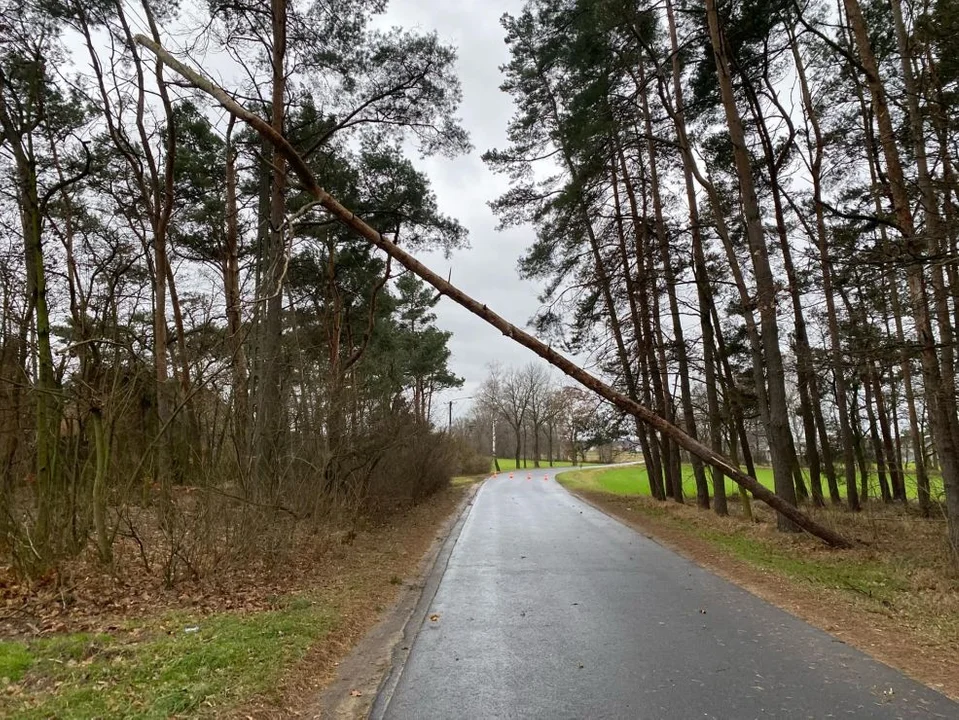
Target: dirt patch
(905,613)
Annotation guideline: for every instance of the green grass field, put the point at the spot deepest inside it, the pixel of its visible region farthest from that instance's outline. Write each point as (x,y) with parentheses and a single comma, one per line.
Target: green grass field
(186,667)
(633,480)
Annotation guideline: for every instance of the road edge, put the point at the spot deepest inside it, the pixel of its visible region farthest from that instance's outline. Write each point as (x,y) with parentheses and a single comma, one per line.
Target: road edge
(436,569)
(635,527)
(374,665)
(763,593)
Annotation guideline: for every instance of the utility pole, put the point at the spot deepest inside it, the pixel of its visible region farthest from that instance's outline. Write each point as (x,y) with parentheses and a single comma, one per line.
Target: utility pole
(449,427)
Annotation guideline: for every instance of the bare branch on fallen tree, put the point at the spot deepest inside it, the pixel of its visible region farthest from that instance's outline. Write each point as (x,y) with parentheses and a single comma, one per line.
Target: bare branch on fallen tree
(348,218)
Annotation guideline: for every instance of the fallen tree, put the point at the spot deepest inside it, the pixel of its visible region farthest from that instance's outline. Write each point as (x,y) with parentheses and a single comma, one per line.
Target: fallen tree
(348,218)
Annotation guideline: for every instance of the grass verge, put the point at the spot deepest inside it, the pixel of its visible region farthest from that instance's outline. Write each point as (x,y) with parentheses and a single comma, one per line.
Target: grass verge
(263,658)
(466,480)
(179,666)
(895,596)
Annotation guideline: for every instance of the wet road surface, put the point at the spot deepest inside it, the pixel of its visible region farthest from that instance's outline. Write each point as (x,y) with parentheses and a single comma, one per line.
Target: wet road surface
(550,609)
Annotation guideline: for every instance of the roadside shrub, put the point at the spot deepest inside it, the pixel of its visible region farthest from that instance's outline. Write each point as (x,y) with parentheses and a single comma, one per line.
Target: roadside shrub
(411,470)
(466,461)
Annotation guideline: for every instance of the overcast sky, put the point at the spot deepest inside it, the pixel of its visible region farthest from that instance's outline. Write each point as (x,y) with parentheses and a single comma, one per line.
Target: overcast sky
(464,185)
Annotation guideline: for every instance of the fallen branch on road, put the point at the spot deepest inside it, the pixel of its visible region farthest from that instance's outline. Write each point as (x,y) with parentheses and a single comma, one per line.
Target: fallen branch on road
(348,218)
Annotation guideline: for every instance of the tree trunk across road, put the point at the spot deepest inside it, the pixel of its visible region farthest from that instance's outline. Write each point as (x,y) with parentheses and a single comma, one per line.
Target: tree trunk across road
(298,165)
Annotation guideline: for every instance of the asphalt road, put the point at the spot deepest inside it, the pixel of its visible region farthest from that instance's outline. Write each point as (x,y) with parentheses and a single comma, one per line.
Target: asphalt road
(550,609)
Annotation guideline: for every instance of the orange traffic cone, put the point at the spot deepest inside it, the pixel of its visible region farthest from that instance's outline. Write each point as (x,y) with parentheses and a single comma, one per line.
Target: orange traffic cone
(511,476)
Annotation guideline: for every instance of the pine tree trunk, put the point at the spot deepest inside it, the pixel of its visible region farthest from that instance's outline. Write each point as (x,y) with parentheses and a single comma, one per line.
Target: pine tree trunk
(671,459)
(736,411)
(936,230)
(832,319)
(703,289)
(268,430)
(234,317)
(779,433)
(752,329)
(162,186)
(679,341)
(660,479)
(877,447)
(872,157)
(802,349)
(940,393)
(938,110)
(48,421)
(655,472)
(631,293)
(893,463)
(194,437)
(859,447)
(923,490)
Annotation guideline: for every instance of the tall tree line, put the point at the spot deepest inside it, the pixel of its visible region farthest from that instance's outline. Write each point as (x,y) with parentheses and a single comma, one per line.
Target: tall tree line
(174,310)
(747,211)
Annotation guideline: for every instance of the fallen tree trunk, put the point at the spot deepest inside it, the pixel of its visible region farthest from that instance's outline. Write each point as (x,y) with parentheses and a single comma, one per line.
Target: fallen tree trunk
(348,218)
